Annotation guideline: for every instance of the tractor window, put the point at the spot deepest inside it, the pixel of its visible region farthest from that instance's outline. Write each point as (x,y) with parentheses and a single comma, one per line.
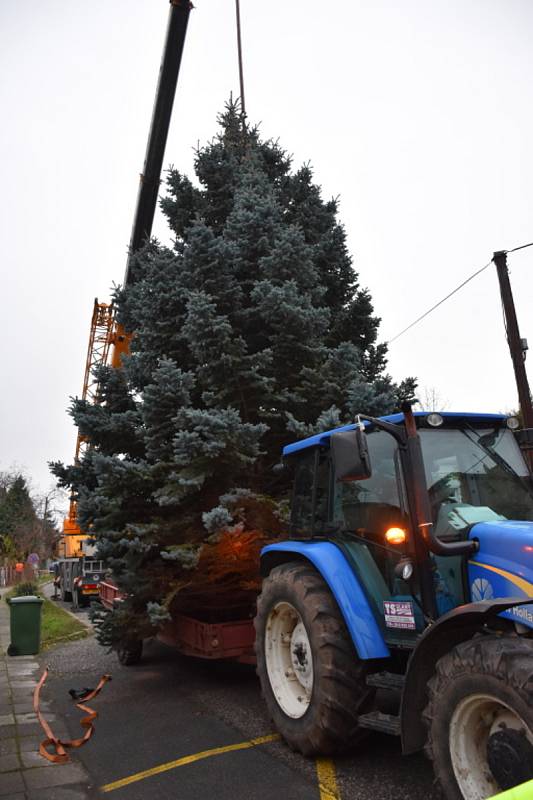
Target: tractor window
(303,521)
(372,506)
(302,499)
(322,492)
(474,475)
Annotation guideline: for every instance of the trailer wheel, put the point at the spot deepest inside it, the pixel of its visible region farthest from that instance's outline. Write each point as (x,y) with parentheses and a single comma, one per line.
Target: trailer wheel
(312,680)
(130,653)
(480,717)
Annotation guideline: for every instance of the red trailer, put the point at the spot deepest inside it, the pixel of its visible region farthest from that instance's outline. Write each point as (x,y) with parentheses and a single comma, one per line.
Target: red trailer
(193,637)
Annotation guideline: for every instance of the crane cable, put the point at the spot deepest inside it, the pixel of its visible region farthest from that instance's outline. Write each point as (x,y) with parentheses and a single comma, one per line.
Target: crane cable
(239,54)
(457,288)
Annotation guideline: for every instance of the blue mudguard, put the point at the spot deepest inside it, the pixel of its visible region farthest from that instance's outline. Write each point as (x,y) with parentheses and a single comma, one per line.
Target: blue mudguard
(331,563)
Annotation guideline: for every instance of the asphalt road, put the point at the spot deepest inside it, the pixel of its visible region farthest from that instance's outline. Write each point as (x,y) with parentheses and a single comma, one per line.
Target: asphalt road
(169,707)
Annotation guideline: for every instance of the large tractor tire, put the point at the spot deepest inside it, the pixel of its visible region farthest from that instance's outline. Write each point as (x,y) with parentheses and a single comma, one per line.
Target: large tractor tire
(480,717)
(312,680)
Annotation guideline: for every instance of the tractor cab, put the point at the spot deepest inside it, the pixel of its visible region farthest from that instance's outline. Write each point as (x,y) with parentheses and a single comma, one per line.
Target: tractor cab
(474,472)
(409,569)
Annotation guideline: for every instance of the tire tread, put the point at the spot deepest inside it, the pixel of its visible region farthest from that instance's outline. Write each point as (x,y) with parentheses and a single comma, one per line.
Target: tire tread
(342,689)
(507,658)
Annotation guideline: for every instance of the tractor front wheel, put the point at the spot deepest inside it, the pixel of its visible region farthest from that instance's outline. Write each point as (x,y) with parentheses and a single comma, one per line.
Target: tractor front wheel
(312,680)
(480,717)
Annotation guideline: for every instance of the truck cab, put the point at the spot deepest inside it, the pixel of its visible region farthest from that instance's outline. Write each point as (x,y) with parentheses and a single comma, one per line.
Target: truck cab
(78,579)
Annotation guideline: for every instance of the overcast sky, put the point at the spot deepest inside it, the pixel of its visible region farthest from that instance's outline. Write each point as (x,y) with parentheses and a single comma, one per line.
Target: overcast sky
(417,114)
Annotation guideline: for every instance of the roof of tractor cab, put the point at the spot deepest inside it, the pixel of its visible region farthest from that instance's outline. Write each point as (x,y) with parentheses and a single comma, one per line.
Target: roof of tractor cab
(323,438)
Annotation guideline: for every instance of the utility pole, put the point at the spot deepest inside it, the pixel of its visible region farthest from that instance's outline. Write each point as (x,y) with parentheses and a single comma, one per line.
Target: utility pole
(517,346)
(43,519)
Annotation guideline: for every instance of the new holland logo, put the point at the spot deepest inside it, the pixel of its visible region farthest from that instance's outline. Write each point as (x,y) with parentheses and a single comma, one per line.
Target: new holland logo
(481,589)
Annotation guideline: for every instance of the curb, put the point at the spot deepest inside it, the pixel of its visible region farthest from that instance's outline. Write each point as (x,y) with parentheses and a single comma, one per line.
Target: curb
(24,773)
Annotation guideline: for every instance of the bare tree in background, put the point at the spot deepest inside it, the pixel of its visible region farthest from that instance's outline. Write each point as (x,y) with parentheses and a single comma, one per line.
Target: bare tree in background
(50,510)
(29,519)
(430,399)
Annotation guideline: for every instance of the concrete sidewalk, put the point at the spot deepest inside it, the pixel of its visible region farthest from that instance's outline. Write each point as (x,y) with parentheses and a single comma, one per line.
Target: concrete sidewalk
(24,773)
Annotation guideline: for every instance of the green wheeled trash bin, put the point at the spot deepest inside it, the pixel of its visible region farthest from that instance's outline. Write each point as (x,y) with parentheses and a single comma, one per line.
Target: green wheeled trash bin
(25,625)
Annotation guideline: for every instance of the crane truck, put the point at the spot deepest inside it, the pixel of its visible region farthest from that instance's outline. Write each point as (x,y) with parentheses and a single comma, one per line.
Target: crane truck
(76,574)
(409,568)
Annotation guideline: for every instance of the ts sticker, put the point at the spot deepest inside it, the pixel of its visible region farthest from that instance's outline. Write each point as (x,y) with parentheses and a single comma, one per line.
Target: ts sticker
(482,589)
(399,615)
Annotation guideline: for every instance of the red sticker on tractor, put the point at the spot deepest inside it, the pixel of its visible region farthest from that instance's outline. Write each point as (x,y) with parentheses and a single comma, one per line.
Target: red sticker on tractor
(399,615)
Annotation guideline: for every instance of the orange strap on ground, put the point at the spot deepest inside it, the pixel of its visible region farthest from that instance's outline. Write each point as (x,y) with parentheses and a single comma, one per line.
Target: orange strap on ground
(61,756)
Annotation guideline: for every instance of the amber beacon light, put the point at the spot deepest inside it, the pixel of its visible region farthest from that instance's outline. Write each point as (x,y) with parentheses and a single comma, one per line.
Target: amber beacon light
(395,536)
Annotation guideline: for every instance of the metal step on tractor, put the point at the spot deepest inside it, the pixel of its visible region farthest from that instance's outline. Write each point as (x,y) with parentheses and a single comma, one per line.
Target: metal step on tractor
(409,573)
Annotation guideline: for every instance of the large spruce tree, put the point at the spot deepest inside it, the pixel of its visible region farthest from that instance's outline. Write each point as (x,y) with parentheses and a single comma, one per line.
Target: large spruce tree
(251,330)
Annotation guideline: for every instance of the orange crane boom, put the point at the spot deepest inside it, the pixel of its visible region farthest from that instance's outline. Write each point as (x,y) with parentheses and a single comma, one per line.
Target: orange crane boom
(100,340)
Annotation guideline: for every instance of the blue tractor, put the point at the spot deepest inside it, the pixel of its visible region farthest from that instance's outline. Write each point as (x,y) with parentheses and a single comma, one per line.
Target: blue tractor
(409,574)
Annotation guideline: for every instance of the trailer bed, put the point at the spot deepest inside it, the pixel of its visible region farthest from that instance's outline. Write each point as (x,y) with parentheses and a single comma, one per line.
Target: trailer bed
(232,640)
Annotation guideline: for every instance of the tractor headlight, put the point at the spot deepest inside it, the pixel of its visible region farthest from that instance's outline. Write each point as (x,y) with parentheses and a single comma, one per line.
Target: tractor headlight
(404,569)
(407,570)
(513,423)
(435,420)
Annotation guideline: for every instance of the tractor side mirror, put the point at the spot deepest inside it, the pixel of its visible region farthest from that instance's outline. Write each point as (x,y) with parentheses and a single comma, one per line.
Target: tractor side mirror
(351,459)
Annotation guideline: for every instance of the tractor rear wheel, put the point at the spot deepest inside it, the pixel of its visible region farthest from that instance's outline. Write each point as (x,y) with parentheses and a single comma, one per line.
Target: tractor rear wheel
(480,717)
(312,680)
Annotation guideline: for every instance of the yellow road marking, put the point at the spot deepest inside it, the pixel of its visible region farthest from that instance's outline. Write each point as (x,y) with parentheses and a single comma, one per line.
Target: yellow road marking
(180,762)
(526,586)
(327,779)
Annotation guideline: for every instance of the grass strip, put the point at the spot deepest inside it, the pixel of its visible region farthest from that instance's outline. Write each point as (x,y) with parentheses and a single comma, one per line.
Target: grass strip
(56,624)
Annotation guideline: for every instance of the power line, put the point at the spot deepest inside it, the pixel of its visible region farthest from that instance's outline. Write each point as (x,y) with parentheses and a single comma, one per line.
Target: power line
(522,247)
(425,314)
(474,275)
